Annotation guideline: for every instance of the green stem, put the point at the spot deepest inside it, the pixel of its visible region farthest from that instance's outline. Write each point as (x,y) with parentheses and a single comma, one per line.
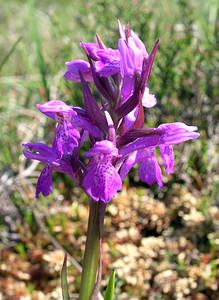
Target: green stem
(92,250)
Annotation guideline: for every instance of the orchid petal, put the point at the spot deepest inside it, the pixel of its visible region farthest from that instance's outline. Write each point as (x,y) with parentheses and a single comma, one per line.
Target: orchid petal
(150,171)
(176,133)
(127,89)
(131,161)
(167,156)
(128,165)
(85,123)
(127,67)
(39,152)
(130,118)
(139,44)
(106,69)
(44,183)
(91,49)
(165,134)
(56,109)
(148,100)
(76,66)
(103,147)
(121,30)
(136,55)
(66,139)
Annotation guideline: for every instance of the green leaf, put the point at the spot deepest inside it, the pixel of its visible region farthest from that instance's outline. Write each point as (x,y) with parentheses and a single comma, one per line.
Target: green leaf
(64,281)
(109,295)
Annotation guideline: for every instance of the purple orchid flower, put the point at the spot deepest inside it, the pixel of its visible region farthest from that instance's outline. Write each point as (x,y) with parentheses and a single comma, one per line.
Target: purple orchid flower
(69,118)
(114,126)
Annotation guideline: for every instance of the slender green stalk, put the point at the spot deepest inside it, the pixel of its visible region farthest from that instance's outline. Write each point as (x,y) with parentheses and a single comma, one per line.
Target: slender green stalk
(92,250)
(39,54)
(10,52)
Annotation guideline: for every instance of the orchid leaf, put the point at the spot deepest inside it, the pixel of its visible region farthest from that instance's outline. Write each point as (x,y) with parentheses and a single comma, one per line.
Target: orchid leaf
(64,281)
(109,295)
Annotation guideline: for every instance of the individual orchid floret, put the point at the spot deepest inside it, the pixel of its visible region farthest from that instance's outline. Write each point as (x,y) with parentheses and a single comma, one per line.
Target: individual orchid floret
(127,34)
(75,67)
(91,49)
(102,181)
(108,63)
(106,59)
(69,119)
(132,57)
(51,158)
(67,136)
(135,68)
(140,151)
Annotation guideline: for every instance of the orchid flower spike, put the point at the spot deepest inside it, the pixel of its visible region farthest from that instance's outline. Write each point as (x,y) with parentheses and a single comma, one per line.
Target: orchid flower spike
(113,127)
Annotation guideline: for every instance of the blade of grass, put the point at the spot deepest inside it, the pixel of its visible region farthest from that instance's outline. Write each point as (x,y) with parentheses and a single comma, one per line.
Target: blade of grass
(39,55)
(10,52)
(109,295)
(64,281)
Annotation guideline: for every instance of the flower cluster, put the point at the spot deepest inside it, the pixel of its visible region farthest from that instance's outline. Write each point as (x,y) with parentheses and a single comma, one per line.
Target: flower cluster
(114,127)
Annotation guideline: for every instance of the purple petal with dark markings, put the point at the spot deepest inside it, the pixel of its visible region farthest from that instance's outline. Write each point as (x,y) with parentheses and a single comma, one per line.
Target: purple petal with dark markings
(66,139)
(101,181)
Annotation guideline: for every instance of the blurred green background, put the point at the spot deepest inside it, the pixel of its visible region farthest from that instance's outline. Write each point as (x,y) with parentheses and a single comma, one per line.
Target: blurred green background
(36,38)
